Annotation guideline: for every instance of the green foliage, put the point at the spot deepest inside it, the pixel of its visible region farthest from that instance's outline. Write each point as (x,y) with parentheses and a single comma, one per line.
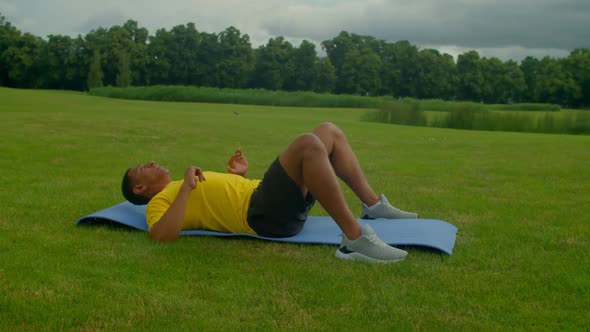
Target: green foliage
(463,116)
(326,79)
(66,67)
(95,74)
(22,57)
(403,112)
(536,118)
(402,109)
(274,66)
(237,63)
(438,105)
(239,96)
(526,107)
(123,70)
(354,65)
(437,75)
(305,70)
(578,64)
(529,67)
(555,84)
(471,79)
(357,63)
(547,122)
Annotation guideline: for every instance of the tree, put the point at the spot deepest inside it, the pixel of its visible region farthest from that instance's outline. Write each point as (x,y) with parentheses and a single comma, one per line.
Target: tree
(554,84)
(98,45)
(207,61)
(95,74)
(529,68)
(237,59)
(138,55)
(160,61)
(356,63)
(182,54)
(123,70)
(273,65)
(24,61)
(436,75)
(390,71)
(471,79)
(77,63)
(577,64)
(337,49)
(368,68)
(400,68)
(305,72)
(513,83)
(66,66)
(326,76)
(9,36)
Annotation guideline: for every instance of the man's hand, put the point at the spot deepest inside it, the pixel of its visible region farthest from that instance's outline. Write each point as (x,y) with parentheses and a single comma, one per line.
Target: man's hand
(168,227)
(238,164)
(192,175)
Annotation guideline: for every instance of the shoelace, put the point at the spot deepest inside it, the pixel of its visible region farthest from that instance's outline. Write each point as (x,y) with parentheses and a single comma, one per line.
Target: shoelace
(375,240)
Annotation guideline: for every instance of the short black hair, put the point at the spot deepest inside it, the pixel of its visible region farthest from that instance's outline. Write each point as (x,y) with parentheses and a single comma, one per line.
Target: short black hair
(127,189)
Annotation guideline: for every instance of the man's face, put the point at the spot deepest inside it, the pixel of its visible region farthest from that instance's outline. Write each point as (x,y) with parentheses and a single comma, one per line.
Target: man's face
(149,178)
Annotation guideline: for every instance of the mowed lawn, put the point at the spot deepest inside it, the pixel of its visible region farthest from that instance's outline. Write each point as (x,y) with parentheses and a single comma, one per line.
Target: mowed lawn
(521,203)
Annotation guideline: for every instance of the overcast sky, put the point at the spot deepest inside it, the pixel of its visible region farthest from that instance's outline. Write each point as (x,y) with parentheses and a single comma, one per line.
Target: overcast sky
(507,29)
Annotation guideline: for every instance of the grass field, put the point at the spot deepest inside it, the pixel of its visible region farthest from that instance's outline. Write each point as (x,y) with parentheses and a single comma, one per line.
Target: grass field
(521,202)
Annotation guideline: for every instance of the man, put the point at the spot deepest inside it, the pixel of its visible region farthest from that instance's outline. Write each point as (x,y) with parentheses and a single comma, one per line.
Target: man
(277,206)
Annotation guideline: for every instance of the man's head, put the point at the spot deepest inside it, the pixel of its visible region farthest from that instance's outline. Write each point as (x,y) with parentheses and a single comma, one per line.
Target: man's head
(143,182)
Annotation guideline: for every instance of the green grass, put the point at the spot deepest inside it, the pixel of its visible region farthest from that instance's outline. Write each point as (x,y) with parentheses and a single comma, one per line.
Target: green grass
(520,201)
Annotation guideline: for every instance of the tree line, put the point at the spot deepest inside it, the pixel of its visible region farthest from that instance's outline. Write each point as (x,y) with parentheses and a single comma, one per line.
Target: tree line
(127,54)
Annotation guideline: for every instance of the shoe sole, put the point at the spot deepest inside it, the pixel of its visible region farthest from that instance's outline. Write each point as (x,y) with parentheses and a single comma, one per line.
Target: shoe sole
(355,256)
(414,216)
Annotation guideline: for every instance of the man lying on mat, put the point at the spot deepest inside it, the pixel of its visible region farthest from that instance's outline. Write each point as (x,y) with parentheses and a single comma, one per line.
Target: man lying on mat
(276,206)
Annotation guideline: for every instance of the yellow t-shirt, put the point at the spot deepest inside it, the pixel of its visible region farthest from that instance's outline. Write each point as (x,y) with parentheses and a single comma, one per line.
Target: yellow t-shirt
(220,203)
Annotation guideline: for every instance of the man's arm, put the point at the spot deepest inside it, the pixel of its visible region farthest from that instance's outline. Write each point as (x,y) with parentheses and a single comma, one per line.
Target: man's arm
(168,227)
(238,164)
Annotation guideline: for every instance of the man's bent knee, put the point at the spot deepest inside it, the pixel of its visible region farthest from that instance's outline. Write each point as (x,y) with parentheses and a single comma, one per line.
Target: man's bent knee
(326,127)
(311,144)
(303,145)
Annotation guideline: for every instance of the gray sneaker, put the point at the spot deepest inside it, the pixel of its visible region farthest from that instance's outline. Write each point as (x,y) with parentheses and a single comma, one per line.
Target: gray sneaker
(369,248)
(385,210)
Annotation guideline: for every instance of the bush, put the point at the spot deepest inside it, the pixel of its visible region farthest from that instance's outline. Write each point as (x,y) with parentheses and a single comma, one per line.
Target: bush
(575,123)
(237,96)
(470,116)
(526,107)
(556,123)
(462,115)
(405,113)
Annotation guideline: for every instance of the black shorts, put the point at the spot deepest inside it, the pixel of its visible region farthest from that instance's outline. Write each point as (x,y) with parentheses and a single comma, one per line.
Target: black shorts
(277,207)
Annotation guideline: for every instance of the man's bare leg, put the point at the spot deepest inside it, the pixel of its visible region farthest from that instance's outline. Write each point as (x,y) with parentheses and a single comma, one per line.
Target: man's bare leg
(313,164)
(345,163)
(307,161)
(347,167)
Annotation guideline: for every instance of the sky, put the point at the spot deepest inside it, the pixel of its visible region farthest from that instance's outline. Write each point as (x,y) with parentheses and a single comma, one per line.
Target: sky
(506,29)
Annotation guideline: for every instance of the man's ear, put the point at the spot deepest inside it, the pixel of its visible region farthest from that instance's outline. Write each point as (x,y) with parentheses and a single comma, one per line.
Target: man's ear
(139,189)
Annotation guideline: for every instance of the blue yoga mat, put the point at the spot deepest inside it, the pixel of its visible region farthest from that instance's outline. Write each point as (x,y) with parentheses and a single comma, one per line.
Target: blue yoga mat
(430,233)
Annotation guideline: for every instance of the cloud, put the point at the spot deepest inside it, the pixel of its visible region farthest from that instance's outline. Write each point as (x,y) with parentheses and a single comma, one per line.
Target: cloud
(516,53)
(103,18)
(505,27)
(505,23)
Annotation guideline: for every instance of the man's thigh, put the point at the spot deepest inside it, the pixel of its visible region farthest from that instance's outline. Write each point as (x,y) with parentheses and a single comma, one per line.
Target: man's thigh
(278,207)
